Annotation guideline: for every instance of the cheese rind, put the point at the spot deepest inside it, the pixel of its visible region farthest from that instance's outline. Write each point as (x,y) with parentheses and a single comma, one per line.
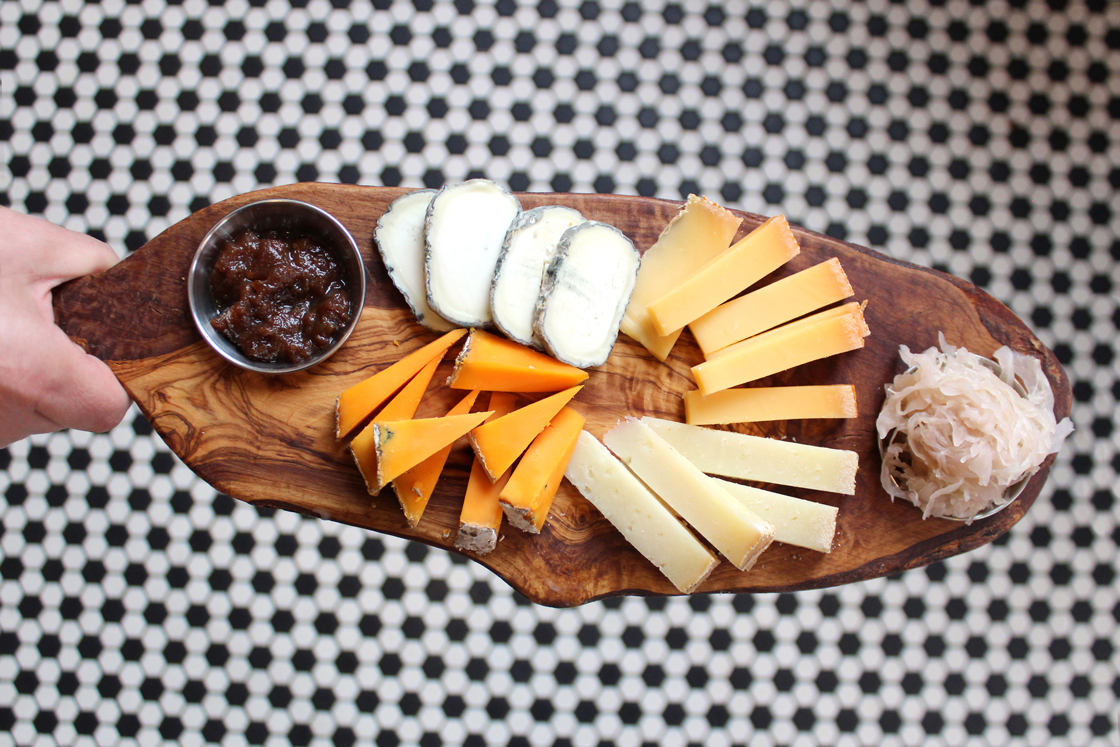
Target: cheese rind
(796,521)
(698,233)
(499,442)
(758,404)
(750,259)
(734,530)
(813,338)
(772,305)
(528,494)
(492,363)
(399,236)
(767,460)
(481,515)
(637,513)
(403,444)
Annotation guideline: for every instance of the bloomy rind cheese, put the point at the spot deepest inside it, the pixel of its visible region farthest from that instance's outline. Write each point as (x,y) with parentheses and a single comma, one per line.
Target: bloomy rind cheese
(796,521)
(768,460)
(492,363)
(499,442)
(758,404)
(731,528)
(771,305)
(528,494)
(750,259)
(637,513)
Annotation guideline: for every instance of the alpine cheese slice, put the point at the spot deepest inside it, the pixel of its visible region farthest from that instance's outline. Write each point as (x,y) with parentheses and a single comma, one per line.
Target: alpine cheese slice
(737,532)
(750,259)
(822,335)
(414,487)
(772,305)
(528,495)
(402,444)
(744,457)
(481,515)
(493,363)
(399,236)
(498,442)
(758,404)
(696,235)
(638,515)
(357,404)
(796,521)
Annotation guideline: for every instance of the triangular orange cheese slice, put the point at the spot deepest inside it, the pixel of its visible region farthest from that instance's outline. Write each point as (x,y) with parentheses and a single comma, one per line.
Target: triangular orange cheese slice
(357,404)
(496,364)
(499,442)
(402,444)
(528,495)
(415,486)
(482,514)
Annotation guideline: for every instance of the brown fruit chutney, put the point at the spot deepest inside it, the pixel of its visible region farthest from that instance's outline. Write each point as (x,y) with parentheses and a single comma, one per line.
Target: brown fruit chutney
(282,296)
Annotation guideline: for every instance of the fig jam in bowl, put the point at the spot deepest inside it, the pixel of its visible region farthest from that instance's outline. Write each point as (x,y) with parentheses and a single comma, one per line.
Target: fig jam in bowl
(276,286)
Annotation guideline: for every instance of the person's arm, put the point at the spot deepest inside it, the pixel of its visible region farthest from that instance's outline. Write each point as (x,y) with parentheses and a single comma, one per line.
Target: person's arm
(48,383)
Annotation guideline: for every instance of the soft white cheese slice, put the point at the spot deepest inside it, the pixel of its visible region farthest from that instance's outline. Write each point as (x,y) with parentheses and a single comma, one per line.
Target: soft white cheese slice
(732,528)
(796,521)
(760,459)
(399,236)
(465,226)
(529,247)
(638,515)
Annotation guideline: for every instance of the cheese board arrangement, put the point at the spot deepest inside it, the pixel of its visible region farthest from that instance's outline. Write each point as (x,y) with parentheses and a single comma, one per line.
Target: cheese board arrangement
(328,440)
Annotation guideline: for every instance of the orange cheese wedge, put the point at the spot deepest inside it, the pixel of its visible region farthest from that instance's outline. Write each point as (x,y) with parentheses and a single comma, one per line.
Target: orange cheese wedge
(357,404)
(401,407)
(415,486)
(402,444)
(495,364)
(482,514)
(499,442)
(528,495)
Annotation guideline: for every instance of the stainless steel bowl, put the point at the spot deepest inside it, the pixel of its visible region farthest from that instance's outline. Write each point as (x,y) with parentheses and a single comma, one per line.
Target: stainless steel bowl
(266,215)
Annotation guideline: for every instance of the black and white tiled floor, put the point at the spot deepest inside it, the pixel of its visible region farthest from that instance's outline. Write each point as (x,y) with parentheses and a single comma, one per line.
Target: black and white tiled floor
(137,606)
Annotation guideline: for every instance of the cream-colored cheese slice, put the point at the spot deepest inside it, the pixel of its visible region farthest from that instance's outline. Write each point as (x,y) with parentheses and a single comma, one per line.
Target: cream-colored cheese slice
(796,521)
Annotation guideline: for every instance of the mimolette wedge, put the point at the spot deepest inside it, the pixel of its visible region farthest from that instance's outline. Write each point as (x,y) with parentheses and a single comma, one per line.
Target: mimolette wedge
(499,442)
(415,486)
(493,364)
(357,404)
(528,495)
(401,445)
(482,513)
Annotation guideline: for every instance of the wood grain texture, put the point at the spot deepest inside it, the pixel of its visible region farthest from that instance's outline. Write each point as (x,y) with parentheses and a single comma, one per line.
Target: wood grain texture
(269,439)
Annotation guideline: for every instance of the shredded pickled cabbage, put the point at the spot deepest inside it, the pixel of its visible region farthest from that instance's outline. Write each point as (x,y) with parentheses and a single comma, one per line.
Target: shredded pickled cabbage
(964,434)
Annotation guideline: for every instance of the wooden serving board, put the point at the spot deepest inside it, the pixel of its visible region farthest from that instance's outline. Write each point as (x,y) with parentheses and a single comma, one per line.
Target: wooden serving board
(269,440)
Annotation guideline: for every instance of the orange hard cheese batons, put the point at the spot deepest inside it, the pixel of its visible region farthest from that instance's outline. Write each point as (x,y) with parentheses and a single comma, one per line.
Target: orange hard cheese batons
(495,364)
(402,444)
(499,442)
(528,495)
(482,514)
(358,403)
(415,486)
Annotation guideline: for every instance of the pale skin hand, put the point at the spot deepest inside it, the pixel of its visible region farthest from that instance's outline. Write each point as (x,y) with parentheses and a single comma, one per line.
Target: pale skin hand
(48,383)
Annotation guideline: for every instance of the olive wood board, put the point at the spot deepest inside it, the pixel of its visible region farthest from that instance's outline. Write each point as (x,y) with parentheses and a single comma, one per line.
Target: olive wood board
(269,439)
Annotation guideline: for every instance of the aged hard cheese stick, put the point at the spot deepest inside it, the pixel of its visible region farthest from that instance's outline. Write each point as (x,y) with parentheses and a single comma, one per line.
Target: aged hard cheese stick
(768,460)
(701,231)
(637,513)
(494,364)
(774,304)
(357,404)
(824,334)
(499,442)
(482,513)
(732,529)
(403,444)
(400,239)
(401,407)
(796,521)
(752,258)
(759,404)
(528,495)
(415,486)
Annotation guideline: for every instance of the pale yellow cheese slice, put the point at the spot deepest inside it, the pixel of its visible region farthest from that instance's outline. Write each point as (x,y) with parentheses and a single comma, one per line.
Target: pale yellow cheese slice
(796,521)
(697,234)
(638,515)
(758,404)
(772,305)
(750,259)
(767,460)
(734,530)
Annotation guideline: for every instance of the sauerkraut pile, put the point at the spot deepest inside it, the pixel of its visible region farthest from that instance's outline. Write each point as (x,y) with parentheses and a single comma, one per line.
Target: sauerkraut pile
(963,433)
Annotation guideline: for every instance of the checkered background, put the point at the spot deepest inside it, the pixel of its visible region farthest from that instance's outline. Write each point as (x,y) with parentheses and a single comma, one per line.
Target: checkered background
(138,606)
